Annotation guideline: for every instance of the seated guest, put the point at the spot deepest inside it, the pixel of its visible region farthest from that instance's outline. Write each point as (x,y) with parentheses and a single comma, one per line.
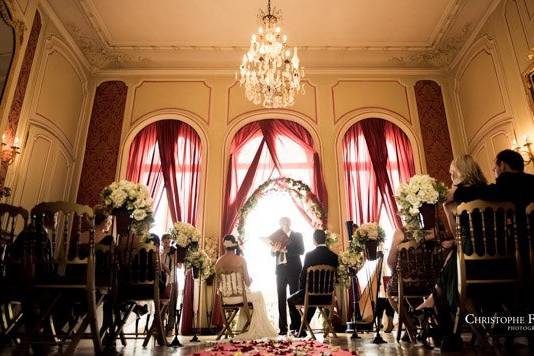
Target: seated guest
(511,182)
(514,185)
(321,255)
(468,183)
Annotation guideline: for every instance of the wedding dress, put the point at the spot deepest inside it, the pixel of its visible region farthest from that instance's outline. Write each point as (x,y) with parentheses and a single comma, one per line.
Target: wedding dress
(260,325)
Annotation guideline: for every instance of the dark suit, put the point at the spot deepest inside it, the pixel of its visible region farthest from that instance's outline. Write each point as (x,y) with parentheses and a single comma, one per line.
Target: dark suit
(321,255)
(288,274)
(519,189)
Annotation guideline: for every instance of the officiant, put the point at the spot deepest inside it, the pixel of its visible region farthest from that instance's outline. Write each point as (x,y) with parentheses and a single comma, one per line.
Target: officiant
(287,247)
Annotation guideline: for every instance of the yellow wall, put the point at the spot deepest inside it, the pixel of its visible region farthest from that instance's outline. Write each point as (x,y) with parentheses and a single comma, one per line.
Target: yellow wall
(215,106)
(489,98)
(54,117)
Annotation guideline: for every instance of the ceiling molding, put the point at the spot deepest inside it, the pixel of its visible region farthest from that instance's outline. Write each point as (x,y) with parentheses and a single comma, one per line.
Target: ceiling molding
(88,29)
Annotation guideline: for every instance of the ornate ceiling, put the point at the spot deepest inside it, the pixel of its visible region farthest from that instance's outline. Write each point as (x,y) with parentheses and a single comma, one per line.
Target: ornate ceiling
(139,34)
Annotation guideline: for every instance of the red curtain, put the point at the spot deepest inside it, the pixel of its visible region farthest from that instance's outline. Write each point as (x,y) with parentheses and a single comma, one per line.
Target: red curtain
(269,134)
(166,157)
(377,157)
(268,142)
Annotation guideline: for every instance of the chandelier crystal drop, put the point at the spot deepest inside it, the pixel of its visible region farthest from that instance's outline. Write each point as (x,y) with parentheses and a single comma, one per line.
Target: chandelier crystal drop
(271,72)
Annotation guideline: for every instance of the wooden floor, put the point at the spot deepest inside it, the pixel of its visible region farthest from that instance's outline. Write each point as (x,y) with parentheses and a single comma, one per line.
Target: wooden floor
(362,346)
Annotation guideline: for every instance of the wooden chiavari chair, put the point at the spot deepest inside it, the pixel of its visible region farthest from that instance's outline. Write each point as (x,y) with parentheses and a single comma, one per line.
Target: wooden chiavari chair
(231,288)
(12,219)
(418,264)
(319,293)
(530,237)
(72,281)
(139,281)
(488,260)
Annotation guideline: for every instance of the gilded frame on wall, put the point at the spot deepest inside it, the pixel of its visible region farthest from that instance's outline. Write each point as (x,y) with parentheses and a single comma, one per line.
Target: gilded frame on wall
(528,79)
(10,16)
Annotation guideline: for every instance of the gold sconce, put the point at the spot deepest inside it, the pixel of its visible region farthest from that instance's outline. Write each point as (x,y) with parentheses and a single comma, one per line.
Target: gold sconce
(525,149)
(10,152)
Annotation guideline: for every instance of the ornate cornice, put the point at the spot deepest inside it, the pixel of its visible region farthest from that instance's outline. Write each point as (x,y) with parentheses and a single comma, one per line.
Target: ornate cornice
(7,15)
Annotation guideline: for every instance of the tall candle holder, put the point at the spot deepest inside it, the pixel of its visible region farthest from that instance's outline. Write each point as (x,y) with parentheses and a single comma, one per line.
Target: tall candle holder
(526,149)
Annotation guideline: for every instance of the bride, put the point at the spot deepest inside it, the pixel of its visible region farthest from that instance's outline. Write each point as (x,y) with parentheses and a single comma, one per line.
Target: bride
(260,325)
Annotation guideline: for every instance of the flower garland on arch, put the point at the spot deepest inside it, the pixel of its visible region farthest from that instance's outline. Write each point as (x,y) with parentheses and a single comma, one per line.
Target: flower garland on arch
(296,189)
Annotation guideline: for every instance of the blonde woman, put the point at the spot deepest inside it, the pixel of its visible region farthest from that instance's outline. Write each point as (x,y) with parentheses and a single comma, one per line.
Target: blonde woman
(468,183)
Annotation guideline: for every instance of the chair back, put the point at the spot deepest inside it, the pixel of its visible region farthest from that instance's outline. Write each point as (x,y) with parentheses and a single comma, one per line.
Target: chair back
(320,281)
(530,237)
(64,223)
(12,220)
(140,272)
(230,285)
(418,265)
(487,248)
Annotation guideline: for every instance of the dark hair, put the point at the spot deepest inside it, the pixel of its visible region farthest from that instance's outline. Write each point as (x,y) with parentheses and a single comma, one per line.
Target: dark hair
(319,236)
(235,241)
(513,159)
(100,218)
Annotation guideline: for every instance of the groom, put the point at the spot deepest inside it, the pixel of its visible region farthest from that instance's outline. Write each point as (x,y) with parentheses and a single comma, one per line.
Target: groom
(288,267)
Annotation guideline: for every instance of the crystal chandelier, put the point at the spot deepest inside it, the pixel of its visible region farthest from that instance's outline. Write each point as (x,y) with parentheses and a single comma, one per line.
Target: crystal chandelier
(270,72)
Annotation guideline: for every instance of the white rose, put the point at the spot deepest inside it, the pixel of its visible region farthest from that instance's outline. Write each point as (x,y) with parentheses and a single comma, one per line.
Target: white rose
(118,197)
(139,214)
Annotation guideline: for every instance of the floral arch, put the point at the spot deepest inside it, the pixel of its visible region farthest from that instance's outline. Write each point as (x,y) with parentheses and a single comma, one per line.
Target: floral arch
(299,192)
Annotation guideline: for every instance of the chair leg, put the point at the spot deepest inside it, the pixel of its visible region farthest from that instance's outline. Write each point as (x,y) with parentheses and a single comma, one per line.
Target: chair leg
(304,322)
(76,339)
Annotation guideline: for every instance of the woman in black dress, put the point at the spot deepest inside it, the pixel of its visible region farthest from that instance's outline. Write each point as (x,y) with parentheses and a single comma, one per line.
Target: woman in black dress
(468,184)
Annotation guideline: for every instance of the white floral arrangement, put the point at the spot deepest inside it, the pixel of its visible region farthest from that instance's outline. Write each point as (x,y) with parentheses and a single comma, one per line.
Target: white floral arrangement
(132,197)
(331,238)
(369,232)
(184,234)
(420,189)
(350,261)
(199,261)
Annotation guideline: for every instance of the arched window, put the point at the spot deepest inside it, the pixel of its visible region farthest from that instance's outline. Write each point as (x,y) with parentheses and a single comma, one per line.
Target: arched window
(260,151)
(269,149)
(377,157)
(166,156)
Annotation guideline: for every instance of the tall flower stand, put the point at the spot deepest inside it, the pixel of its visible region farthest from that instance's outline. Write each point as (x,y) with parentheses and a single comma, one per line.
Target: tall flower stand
(196,303)
(356,317)
(378,338)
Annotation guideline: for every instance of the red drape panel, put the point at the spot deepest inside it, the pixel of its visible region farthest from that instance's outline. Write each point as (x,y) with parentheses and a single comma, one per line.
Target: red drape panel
(237,192)
(167,154)
(361,187)
(144,164)
(377,157)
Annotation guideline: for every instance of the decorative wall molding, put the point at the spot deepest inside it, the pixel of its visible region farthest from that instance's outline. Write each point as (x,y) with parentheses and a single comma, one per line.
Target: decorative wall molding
(55,45)
(199,116)
(21,86)
(290,110)
(485,44)
(341,116)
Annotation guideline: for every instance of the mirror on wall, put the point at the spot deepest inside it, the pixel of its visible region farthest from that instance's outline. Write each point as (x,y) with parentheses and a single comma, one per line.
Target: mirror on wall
(7,46)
